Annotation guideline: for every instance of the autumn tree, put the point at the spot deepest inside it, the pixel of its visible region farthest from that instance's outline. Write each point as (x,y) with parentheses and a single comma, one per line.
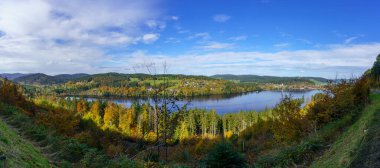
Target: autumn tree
(111,116)
(95,113)
(9,93)
(289,123)
(82,107)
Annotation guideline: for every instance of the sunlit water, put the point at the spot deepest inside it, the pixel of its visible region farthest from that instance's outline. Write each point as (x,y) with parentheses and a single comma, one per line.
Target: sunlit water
(253,101)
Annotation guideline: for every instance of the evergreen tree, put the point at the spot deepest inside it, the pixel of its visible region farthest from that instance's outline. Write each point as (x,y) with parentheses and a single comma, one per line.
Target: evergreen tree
(376,68)
(222,155)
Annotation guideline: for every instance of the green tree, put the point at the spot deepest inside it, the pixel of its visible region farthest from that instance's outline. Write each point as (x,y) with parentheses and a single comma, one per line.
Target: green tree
(376,68)
(222,155)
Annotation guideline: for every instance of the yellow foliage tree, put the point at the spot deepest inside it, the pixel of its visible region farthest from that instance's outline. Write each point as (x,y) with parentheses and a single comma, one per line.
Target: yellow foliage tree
(111,116)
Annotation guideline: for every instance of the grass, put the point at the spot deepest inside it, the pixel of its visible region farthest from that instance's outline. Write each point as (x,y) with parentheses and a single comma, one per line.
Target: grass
(343,151)
(18,151)
(368,154)
(62,151)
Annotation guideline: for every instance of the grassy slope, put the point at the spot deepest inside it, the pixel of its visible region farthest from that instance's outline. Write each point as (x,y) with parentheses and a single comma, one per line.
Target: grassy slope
(19,152)
(369,153)
(345,149)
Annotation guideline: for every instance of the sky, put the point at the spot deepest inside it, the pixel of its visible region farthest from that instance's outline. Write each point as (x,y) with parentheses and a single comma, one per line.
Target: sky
(320,38)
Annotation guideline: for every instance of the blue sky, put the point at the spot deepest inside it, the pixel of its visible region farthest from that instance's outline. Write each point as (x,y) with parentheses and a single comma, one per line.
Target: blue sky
(263,37)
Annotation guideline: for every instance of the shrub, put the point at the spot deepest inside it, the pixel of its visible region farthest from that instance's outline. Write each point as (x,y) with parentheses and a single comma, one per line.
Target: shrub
(299,154)
(223,155)
(124,162)
(152,157)
(73,151)
(184,156)
(93,158)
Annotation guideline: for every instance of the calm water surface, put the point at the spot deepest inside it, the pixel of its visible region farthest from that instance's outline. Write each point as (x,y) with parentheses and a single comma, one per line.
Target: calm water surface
(254,101)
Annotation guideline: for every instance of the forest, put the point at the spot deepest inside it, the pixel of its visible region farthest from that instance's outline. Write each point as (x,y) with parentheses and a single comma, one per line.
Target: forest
(84,133)
(142,85)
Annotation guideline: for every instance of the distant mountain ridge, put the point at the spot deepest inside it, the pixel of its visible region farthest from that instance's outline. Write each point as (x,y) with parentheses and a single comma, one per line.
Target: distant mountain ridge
(43,79)
(270,79)
(12,76)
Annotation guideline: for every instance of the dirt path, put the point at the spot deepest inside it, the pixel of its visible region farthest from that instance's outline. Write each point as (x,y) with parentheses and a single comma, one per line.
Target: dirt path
(37,145)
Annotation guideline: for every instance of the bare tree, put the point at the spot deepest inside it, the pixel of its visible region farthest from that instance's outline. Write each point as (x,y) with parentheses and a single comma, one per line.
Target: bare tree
(165,103)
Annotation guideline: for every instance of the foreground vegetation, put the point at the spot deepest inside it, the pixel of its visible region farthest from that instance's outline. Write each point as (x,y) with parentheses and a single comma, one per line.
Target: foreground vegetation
(346,148)
(17,152)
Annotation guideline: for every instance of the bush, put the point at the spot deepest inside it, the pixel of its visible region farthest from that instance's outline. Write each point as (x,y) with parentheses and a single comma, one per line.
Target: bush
(184,156)
(124,162)
(152,157)
(223,155)
(93,158)
(299,154)
(73,151)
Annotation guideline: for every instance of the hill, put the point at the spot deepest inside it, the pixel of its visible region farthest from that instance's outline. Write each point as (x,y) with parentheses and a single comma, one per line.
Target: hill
(271,79)
(115,78)
(39,78)
(67,77)
(12,76)
(43,79)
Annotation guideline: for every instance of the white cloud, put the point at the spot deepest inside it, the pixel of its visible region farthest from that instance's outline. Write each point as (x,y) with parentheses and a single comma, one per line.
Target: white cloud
(221,18)
(172,40)
(174,17)
(31,55)
(238,38)
(81,21)
(216,45)
(202,36)
(70,36)
(154,24)
(281,45)
(150,38)
(349,40)
(344,60)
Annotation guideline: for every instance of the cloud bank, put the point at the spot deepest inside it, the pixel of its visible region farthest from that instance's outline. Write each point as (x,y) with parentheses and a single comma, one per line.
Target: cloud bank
(69,36)
(342,60)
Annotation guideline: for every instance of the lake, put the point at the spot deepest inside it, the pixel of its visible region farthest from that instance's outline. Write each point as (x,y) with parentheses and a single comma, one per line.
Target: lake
(253,101)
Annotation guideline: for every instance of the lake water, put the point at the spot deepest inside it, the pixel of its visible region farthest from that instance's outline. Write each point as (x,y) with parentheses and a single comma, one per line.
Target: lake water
(253,101)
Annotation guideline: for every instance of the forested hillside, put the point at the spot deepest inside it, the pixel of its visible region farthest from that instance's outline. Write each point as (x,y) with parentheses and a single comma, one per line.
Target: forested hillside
(43,79)
(132,85)
(140,85)
(272,79)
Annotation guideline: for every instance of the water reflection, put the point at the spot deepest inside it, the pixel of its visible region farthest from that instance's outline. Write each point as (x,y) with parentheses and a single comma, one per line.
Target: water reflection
(253,101)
